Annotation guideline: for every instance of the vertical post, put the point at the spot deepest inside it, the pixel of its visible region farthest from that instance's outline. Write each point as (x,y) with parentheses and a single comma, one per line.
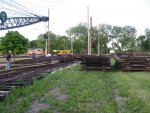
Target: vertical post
(72,45)
(48,40)
(90,36)
(88,28)
(98,39)
(46,47)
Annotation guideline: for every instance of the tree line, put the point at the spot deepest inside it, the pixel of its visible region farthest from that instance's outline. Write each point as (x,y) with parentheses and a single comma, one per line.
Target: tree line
(121,39)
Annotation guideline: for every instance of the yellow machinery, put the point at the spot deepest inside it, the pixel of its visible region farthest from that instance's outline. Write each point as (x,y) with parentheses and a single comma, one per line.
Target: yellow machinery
(62,51)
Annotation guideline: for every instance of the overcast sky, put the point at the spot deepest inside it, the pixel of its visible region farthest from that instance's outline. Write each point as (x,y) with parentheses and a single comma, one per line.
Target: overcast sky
(68,13)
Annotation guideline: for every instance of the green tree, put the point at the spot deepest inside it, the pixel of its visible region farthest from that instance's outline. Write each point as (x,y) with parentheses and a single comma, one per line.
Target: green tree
(41,41)
(141,43)
(94,40)
(103,35)
(33,44)
(78,45)
(128,40)
(124,38)
(63,42)
(15,42)
(147,41)
(117,37)
(54,45)
(79,35)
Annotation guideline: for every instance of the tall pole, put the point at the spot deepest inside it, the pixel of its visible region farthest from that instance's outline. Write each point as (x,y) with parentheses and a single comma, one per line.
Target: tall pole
(72,45)
(46,46)
(90,36)
(98,40)
(88,28)
(48,43)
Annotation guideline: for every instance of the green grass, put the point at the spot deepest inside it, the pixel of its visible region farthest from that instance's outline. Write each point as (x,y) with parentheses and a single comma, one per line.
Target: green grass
(74,91)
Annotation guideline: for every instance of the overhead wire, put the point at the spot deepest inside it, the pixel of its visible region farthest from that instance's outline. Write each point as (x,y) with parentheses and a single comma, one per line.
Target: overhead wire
(21,10)
(10,5)
(13,11)
(25,8)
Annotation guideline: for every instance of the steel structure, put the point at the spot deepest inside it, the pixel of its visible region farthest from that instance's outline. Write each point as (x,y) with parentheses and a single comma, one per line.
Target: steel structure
(16,22)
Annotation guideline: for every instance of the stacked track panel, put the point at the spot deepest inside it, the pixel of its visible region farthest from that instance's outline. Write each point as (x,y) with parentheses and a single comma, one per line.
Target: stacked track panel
(133,62)
(92,62)
(39,60)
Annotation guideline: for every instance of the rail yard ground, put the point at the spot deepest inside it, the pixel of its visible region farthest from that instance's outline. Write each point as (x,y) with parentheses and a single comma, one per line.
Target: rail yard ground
(74,91)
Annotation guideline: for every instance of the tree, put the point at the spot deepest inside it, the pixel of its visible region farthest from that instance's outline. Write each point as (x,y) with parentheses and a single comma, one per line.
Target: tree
(116,37)
(40,41)
(94,31)
(141,43)
(78,45)
(79,35)
(63,42)
(15,42)
(125,38)
(103,35)
(33,44)
(128,40)
(147,41)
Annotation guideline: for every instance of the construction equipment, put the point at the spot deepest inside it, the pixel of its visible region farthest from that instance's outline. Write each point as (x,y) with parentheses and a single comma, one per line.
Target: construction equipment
(62,51)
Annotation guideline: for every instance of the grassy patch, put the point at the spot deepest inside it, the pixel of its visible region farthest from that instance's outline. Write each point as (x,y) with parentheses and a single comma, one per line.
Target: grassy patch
(74,91)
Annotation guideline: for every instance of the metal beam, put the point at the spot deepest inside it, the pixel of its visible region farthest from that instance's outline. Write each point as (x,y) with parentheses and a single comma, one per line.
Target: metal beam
(17,22)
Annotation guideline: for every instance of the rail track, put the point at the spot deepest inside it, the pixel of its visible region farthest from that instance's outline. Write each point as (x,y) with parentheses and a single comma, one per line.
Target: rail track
(27,73)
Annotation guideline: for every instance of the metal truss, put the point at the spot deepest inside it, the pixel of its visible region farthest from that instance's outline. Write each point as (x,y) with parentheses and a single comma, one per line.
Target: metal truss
(17,22)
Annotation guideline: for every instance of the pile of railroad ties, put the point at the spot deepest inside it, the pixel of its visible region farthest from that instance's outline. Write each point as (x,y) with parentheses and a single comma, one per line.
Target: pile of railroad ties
(93,62)
(133,62)
(123,62)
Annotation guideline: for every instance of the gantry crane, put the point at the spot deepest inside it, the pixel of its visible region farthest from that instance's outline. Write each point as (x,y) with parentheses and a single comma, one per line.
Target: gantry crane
(23,16)
(15,22)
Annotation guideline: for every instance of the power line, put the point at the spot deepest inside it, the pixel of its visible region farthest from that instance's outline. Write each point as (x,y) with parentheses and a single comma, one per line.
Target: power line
(24,12)
(11,5)
(23,7)
(10,11)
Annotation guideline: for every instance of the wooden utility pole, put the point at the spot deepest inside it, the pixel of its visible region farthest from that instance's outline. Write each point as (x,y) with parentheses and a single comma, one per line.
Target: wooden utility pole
(88,28)
(90,37)
(89,31)
(48,43)
(71,44)
(98,40)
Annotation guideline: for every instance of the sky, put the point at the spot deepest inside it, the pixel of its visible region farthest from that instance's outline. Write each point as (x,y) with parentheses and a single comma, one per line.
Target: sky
(68,13)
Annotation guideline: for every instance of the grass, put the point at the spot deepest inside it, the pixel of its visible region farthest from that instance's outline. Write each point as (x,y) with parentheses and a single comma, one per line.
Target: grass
(74,91)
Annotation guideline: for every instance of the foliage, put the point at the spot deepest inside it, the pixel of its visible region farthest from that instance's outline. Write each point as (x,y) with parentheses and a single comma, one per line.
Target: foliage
(15,42)
(58,42)
(104,33)
(33,44)
(80,34)
(142,43)
(124,38)
(147,41)
(41,41)
(128,39)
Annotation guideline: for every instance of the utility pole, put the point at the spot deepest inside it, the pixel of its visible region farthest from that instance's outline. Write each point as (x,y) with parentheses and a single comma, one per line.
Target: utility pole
(72,45)
(89,31)
(48,43)
(46,38)
(90,37)
(88,28)
(98,40)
